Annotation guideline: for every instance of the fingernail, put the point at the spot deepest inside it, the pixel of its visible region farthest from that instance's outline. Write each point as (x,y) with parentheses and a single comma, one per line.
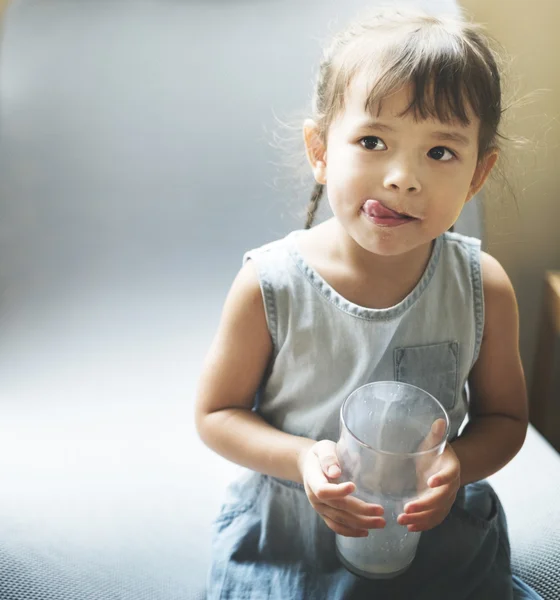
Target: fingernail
(332,471)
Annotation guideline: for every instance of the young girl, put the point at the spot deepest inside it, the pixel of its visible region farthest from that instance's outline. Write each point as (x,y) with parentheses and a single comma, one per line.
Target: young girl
(404,132)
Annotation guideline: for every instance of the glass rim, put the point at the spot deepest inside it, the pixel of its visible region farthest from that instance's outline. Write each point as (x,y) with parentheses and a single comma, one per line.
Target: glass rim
(386,452)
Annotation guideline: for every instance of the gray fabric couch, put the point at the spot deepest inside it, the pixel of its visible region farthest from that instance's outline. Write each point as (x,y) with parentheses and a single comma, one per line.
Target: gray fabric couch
(135,168)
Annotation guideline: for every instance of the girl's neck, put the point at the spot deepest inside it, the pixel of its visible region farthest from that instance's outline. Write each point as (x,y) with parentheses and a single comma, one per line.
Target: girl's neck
(350,269)
(343,249)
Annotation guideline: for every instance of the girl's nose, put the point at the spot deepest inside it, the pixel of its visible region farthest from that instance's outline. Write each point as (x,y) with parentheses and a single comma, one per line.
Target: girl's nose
(402,178)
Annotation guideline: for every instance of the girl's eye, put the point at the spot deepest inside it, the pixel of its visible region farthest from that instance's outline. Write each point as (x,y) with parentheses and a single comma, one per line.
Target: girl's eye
(441,153)
(372,142)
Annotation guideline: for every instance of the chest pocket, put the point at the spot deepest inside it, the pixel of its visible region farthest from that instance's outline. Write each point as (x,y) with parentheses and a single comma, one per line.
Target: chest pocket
(433,368)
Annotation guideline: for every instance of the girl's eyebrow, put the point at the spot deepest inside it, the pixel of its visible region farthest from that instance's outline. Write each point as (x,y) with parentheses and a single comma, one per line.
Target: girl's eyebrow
(444,136)
(375,125)
(450,136)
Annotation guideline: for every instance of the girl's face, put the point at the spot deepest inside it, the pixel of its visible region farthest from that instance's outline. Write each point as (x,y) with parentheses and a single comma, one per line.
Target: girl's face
(379,169)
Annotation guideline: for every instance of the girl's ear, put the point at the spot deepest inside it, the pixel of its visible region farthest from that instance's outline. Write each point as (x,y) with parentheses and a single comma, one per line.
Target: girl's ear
(483,169)
(315,150)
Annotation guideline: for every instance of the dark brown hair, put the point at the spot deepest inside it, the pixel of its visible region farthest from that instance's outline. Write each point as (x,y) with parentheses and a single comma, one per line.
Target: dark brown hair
(448,63)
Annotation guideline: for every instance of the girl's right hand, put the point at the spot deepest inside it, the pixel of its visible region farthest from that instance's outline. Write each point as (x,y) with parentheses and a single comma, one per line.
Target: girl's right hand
(342,513)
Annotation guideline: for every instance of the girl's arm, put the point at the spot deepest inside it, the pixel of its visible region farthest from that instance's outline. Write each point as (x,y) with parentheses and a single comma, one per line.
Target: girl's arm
(498,411)
(231,375)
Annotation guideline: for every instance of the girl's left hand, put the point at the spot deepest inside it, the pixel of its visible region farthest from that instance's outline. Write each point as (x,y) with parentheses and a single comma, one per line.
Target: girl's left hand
(431,508)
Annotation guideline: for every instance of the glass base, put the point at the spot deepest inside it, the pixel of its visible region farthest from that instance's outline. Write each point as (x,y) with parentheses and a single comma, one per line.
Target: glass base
(369,574)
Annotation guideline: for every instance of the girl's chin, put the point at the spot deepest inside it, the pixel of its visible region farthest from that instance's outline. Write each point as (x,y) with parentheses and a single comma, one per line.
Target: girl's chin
(390,243)
(384,246)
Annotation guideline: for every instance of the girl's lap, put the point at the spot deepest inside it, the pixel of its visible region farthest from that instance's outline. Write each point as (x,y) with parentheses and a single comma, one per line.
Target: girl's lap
(247,550)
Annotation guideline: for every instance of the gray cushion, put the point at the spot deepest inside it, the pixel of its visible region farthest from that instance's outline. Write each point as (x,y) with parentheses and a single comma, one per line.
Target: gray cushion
(529,487)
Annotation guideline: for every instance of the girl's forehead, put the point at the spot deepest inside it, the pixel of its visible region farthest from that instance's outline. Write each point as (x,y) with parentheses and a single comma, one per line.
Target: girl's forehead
(393,108)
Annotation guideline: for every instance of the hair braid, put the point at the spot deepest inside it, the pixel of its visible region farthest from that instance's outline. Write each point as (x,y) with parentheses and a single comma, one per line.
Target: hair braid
(314,204)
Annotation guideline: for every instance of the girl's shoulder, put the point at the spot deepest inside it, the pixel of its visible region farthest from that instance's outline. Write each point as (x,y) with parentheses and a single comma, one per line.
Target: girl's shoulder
(280,280)
(280,248)
(462,255)
(493,276)
(460,239)
(496,282)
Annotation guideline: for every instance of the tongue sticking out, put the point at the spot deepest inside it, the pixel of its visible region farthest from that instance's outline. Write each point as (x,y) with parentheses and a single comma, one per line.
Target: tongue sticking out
(374,208)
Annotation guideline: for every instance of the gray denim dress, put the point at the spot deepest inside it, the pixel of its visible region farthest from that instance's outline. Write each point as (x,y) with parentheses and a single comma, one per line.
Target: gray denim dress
(268,542)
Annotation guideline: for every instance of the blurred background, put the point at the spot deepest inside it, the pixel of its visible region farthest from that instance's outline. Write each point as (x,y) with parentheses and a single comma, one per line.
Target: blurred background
(141,154)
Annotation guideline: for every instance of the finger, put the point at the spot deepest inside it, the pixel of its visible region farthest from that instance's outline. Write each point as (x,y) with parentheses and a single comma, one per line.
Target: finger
(326,452)
(441,495)
(325,492)
(344,530)
(438,429)
(356,506)
(332,471)
(419,519)
(434,522)
(321,487)
(435,436)
(444,477)
(349,519)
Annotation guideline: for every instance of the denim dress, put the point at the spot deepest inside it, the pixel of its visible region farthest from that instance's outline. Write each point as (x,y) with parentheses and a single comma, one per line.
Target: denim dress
(268,541)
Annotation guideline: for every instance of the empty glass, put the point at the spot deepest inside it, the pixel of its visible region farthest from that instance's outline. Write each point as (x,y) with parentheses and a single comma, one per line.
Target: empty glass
(391,435)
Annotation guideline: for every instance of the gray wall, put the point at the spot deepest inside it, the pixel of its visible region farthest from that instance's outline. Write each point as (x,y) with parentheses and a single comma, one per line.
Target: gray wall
(138,137)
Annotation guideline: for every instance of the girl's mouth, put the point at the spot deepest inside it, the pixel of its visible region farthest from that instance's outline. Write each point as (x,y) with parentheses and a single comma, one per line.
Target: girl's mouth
(382,215)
